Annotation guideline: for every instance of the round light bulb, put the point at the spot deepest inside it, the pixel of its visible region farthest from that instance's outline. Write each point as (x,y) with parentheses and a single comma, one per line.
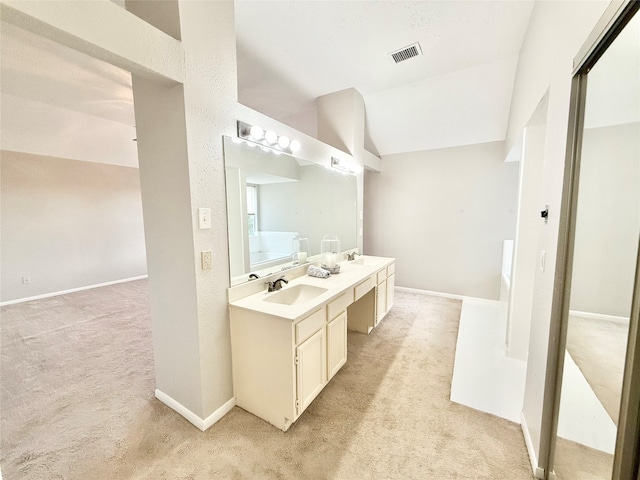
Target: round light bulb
(283,141)
(271,136)
(256,132)
(294,145)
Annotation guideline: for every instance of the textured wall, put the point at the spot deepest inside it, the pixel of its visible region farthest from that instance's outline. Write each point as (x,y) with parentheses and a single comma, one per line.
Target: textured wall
(556,32)
(210,95)
(180,143)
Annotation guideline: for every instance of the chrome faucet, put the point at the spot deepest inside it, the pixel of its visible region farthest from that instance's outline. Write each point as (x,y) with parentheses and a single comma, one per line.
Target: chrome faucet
(352,256)
(276,284)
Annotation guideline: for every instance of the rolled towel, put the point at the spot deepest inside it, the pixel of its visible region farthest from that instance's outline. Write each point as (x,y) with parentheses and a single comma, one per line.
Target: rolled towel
(314,271)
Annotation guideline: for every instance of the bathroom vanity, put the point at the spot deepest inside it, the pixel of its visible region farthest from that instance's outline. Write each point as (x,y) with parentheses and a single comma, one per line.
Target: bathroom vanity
(288,344)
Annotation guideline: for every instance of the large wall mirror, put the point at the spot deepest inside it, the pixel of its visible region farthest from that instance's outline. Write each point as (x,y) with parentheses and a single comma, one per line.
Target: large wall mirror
(602,267)
(273,199)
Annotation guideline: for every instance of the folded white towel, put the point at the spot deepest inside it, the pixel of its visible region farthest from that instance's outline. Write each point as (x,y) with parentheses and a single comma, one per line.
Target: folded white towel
(314,271)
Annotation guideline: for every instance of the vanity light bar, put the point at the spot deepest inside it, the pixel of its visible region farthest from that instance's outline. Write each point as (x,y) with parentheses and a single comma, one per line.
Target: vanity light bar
(269,139)
(341,166)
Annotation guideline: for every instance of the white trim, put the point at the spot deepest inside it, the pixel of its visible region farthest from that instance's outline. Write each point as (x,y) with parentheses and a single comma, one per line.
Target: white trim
(445,295)
(71,290)
(533,458)
(218,414)
(430,292)
(192,417)
(599,316)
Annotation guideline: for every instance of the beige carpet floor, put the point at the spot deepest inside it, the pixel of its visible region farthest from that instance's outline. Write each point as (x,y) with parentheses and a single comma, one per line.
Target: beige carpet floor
(77,403)
(599,348)
(574,461)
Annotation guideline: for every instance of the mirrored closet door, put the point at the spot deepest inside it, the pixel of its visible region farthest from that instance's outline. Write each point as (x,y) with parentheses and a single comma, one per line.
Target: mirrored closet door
(602,262)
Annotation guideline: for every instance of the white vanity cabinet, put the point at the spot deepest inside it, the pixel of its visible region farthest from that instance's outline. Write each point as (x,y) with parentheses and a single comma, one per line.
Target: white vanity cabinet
(391,284)
(386,280)
(374,298)
(381,295)
(337,332)
(311,369)
(279,366)
(336,344)
(286,350)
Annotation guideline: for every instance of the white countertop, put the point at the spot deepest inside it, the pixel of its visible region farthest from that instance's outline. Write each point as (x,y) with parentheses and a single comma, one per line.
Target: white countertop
(351,274)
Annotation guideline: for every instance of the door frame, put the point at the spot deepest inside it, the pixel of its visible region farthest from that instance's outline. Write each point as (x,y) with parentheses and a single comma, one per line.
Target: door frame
(627,455)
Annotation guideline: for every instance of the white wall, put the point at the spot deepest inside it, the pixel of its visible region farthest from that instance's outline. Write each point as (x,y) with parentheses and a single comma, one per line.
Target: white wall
(525,261)
(608,220)
(443,214)
(194,84)
(42,129)
(180,131)
(67,224)
(322,202)
(556,32)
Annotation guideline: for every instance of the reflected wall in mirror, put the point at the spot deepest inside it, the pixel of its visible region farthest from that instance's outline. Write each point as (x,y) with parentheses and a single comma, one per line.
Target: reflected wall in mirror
(607,230)
(274,198)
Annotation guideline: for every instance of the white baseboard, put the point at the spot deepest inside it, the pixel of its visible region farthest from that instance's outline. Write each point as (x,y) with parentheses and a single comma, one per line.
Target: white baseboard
(200,423)
(218,414)
(533,458)
(71,290)
(444,295)
(599,316)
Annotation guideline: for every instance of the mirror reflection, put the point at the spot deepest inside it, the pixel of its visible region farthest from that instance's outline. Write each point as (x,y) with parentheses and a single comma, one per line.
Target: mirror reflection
(276,203)
(604,257)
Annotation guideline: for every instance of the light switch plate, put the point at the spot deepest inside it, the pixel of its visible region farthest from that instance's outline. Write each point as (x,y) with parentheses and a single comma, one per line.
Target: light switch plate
(204,215)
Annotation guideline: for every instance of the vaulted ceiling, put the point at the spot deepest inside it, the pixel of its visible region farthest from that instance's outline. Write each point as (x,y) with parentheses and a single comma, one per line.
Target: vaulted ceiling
(289,53)
(458,92)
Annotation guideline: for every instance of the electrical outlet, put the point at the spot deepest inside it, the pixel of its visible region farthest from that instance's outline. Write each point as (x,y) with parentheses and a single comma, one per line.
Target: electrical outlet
(206,259)
(26,281)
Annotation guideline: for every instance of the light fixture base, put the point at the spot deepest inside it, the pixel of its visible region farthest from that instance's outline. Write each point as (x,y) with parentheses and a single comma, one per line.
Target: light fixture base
(244,132)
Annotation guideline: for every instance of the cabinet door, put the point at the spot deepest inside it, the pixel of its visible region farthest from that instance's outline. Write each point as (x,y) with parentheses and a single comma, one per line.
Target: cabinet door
(311,369)
(336,344)
(391,283)
(381,301)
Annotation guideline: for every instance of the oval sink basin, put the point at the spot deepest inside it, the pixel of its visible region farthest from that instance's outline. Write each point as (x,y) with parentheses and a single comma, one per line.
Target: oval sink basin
(364,261)
(297,294)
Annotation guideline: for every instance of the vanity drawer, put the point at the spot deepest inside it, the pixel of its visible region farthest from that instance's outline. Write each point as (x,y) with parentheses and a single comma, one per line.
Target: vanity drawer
(382,276)
(364,287)
(310,325)
(391,269)
(339,305)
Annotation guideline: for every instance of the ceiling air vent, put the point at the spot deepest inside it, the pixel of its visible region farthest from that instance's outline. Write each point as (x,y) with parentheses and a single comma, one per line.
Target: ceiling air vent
(406,53)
